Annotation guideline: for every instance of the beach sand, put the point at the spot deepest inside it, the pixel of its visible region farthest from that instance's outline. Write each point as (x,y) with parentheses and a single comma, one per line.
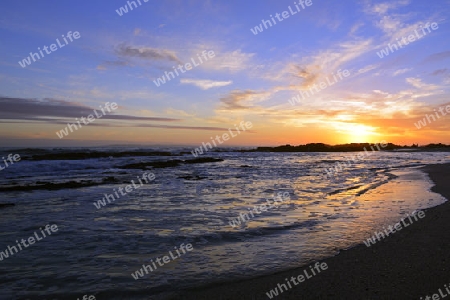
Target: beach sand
(409,264)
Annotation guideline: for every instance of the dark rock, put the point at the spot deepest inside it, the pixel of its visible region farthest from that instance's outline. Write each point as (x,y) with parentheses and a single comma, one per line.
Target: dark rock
(3,205)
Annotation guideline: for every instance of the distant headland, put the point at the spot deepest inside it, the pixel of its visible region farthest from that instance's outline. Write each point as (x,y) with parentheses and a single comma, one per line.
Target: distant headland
(321,147)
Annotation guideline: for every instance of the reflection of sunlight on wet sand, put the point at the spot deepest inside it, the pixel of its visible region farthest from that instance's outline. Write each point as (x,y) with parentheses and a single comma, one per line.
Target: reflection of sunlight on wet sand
(345,218)
(388,203)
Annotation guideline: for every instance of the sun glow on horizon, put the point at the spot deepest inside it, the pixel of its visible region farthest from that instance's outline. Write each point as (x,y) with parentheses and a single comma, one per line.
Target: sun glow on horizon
(356,133)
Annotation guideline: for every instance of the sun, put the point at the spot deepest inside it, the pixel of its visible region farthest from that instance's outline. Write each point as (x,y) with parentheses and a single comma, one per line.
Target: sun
(356,133)
(361,133)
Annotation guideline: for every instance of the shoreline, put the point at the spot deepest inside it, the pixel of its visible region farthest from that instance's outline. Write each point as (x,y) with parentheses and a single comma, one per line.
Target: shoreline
(409,264)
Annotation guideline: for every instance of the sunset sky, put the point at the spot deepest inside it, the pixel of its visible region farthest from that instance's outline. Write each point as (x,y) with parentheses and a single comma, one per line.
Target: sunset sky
(251,77)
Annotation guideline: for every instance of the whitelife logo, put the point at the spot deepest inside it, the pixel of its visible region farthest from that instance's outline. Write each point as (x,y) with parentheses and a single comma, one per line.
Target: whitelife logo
(411,38)
(423,122)
(161,80)
(147,177)
(392,229)
(124,9)
(300,278)
(31,240)
(225,136)
(322,85)
(27,61)
(355,158)
(166,259)
(278,200)
(12,159)
(439,296)
(284,15)
(85,297)
(65,132)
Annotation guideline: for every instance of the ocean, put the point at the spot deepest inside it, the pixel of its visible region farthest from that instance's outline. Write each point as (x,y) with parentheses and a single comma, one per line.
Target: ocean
(97,248)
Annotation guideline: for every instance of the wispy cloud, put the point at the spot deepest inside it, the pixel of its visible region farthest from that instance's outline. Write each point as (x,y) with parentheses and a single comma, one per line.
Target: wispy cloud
(439,72)
(309,74)
(325,63)
(355,28)
(117,63)
(436,57)
(53,111)
(183,127)
(393,24)
(205,84)
(383,8)
(417,83)
(401,71)
(242,100)
(147,53)
(233,61)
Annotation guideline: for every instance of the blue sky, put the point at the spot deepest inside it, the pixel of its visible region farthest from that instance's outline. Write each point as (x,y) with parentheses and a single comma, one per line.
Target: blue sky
(250,78)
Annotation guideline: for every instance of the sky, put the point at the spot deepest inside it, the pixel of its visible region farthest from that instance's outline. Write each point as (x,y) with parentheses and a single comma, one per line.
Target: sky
(299,71)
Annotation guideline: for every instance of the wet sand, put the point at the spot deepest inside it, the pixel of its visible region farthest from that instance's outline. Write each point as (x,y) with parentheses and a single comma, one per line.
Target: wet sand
(409,264)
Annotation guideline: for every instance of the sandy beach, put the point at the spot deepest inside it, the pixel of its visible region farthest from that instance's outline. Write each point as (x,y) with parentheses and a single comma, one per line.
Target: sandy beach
(409,264)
